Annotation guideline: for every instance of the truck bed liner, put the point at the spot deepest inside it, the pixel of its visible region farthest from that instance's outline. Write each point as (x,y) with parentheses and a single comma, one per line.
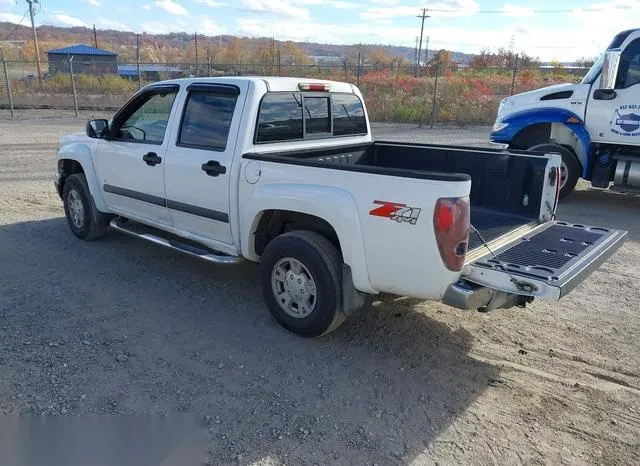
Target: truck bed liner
(493,224)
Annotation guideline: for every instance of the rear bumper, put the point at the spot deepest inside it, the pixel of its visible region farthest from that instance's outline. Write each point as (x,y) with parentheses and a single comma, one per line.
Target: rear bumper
(470,296)
(467,296)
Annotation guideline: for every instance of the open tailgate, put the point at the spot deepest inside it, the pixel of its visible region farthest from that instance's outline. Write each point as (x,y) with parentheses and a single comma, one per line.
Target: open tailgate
(548,262)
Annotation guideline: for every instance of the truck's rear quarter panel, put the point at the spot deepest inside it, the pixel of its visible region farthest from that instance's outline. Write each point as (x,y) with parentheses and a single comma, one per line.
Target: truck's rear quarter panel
(394,219)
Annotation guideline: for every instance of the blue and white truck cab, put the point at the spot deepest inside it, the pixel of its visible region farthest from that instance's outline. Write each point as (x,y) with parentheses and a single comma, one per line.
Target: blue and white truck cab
(593,125)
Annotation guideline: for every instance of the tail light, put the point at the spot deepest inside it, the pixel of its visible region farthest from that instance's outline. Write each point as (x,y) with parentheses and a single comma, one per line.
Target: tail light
(451,223)
(321,87)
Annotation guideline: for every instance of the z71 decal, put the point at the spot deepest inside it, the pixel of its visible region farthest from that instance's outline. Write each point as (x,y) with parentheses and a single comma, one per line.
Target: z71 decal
(395,211)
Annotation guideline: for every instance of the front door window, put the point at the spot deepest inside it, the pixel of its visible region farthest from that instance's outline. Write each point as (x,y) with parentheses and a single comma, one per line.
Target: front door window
(147,121)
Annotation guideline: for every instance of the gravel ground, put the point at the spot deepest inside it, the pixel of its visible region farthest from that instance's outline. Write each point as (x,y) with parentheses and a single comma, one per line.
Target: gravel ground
(119,326)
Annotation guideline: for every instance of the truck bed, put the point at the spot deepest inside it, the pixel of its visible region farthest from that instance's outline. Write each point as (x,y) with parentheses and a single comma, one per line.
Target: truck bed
(506,188)
(493,224)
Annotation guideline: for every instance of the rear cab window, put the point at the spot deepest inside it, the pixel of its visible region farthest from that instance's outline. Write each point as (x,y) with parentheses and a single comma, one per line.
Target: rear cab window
(295,116)
(316,115)
(280,117)
(348,115)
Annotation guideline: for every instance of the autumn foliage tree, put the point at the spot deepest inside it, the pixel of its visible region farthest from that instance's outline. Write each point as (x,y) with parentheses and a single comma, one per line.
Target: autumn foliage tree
(440,61)
(501,59)
(585,62)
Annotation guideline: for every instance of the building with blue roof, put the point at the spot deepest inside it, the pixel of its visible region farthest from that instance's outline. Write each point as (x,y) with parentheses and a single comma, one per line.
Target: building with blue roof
(86,59)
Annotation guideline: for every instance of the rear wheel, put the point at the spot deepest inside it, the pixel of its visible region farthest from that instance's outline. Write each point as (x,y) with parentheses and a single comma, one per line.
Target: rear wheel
(85,221)
(301,280)
(569,168)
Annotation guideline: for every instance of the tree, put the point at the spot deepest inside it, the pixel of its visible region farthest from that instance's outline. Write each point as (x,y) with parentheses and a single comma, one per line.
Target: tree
(585,62)
(234,52)
(292,54)
(501,59)
(441,60)
(485,59)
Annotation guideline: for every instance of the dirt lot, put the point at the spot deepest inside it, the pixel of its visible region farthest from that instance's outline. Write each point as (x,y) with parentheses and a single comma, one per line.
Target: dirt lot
(120,326)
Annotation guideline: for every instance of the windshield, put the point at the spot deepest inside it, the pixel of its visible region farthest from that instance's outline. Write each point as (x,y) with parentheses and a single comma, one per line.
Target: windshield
(594,71)
(618,40)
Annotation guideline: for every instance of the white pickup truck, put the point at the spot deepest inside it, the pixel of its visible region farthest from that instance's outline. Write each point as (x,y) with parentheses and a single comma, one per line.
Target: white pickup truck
(285,172)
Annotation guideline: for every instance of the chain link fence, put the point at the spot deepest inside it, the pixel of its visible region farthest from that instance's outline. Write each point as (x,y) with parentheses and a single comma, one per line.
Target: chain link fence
(425,95)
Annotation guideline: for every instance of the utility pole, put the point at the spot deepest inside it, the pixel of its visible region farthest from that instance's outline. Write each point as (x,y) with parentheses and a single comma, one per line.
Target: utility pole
(515,72)
(272,52)
(415,58)
(195,39)
(35,38)
(426,51)
(138,59)
(8,81)
(95,37)
(424,15)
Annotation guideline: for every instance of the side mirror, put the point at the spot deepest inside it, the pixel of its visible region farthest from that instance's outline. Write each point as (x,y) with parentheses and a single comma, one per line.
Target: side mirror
(610,67)
(97,129)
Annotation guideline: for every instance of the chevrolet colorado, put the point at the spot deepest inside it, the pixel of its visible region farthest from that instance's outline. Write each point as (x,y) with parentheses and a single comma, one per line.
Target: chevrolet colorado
(285,172)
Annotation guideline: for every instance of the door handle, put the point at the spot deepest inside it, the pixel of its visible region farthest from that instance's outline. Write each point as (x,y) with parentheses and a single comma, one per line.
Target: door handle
(213,168)
(152,159)
(604,94)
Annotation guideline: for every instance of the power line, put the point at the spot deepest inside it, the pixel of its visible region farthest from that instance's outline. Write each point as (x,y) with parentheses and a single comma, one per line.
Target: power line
(489,45)
(463,44)
(527,10)
(16,26)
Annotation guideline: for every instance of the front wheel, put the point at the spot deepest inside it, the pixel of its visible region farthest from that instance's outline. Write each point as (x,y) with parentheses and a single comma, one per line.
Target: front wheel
(569,167)
(301,280)
(85,221)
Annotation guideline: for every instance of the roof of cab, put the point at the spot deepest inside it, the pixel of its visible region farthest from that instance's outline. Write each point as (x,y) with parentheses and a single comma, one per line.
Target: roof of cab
(273,83)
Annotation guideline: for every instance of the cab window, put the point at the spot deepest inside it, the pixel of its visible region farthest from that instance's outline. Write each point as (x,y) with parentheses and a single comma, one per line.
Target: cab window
(288,116)
(629,70)
(280,117)
(207,120)
(348,115)
(316,115)
(146,120)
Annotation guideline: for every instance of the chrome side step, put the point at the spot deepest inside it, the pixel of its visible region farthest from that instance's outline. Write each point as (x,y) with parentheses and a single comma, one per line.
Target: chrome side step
(133,229)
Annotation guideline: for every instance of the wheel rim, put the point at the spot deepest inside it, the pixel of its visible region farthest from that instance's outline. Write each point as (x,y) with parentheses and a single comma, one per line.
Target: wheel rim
(564,174)
(294,287)
(76,208)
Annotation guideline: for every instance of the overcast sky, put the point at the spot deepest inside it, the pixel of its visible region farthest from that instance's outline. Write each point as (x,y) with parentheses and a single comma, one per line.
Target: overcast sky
(579,28)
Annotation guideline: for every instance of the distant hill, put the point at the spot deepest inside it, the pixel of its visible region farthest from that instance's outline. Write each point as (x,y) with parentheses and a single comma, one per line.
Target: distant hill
(316,49)
(173,47)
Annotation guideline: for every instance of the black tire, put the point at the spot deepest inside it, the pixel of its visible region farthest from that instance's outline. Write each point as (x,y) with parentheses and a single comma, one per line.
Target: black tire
(89,223)
(572,170)
(324,264)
